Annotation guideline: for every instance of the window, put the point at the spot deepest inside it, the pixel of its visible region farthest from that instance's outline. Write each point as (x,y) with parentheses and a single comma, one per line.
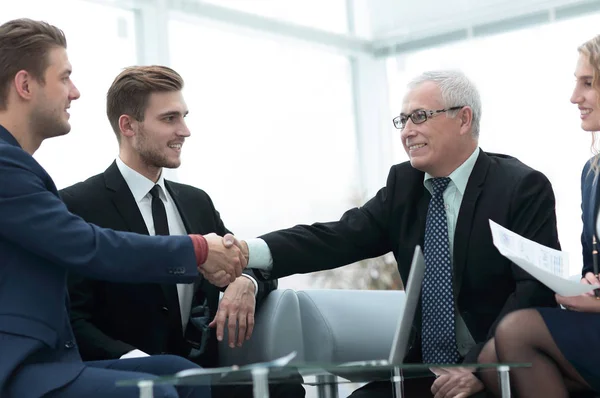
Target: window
(272,128)
(101,42)
(330,15)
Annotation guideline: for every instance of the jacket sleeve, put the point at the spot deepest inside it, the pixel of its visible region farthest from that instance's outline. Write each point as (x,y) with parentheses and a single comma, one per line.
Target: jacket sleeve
(34,218)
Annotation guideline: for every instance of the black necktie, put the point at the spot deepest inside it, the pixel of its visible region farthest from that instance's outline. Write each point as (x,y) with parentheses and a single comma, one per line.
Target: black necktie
(159,214)
(161,227)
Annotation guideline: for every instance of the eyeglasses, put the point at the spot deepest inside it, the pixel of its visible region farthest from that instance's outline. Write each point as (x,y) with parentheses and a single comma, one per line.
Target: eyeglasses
(419,116)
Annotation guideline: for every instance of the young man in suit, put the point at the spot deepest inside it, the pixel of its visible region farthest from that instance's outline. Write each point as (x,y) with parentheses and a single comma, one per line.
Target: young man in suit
(147,111)
(41,241)
(442,200)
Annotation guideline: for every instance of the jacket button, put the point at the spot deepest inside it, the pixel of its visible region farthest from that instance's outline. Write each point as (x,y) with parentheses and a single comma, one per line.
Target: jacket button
(164,309)
(70,344)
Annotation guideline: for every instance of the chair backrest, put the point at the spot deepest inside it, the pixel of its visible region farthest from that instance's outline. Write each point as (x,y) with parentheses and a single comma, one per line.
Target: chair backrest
(277,332)
(348,325)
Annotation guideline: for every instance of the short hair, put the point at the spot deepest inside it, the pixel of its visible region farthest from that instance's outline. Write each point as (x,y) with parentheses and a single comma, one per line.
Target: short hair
(24,45)
(456,90)
(131,89)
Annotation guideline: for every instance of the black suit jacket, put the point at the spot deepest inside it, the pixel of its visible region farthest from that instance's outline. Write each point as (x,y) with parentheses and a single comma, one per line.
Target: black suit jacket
(111,319)
(486,285)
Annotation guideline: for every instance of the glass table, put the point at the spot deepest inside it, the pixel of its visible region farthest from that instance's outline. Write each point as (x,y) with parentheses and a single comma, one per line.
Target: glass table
(326,377)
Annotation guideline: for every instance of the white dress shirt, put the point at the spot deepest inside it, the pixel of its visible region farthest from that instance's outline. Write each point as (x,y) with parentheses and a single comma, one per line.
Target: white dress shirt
(140,187)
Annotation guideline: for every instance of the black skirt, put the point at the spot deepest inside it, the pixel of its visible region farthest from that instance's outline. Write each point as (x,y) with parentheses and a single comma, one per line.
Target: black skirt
(577,335)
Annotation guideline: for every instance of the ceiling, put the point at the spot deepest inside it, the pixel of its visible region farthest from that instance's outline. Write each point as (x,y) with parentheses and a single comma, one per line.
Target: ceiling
(383,27)
(387,21)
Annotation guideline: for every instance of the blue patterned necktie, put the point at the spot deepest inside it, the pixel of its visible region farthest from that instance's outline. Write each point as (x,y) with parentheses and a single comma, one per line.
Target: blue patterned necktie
(438,332)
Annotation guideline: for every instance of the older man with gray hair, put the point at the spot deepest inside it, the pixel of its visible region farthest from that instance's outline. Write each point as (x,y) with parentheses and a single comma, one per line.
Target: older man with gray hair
(442,199)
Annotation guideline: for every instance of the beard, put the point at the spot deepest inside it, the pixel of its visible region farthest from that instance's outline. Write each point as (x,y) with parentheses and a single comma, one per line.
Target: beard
(151,154)
(48,123)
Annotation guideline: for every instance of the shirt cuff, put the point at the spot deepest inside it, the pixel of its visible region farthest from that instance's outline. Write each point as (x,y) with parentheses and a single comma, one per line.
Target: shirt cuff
(200,248)
(253,281)
(259,255)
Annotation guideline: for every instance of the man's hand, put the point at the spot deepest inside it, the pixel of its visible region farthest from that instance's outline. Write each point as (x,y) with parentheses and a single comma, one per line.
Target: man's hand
(223,264)
(237,306)
(455,383)
(230,240)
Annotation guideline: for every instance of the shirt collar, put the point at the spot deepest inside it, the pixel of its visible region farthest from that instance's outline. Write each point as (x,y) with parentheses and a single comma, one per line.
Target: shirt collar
(460,176)
(139,185)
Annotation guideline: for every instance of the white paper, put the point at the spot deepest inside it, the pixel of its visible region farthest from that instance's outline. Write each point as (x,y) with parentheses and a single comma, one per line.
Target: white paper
(549,266)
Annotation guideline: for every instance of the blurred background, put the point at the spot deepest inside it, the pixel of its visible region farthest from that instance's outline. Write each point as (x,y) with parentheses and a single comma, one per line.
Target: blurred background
(291,101)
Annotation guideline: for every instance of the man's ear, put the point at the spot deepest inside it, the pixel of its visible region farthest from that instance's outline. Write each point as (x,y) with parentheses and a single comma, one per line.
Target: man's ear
(24,82)
(127,125)
(466,119)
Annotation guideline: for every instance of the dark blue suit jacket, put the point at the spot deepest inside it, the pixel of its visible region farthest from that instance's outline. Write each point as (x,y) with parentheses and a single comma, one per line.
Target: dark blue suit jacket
(589,210)
(39,242)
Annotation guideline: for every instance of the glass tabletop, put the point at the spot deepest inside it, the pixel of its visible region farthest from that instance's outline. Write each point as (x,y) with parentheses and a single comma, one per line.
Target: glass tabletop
(283,370)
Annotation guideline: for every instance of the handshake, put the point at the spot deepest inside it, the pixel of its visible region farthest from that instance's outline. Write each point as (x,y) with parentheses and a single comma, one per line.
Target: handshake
(227,258)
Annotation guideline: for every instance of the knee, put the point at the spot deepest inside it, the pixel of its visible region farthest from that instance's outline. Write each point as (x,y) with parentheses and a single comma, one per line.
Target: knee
(488,353)
(175,363)
(511,326)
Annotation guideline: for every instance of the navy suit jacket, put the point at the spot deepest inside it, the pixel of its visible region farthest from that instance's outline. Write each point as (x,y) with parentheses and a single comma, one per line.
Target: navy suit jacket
(589,211)
(40,241)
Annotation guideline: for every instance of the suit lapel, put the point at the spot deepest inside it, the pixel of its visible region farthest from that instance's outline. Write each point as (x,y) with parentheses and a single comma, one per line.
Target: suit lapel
(129,210)
(465,218)
(124,201)
(595,192)
(422,209)
(181,204)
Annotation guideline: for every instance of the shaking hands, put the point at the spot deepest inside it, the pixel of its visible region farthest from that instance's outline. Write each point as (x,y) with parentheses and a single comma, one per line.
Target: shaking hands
(227,258)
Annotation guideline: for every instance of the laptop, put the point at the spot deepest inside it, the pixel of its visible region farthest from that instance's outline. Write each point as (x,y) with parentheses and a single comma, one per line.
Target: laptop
(406,317)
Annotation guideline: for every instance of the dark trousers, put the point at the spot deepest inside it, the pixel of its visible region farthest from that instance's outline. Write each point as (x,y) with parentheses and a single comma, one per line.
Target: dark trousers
(416,383)
(414,387)
(99,379)
(279,390)
(419,387)
(289,386)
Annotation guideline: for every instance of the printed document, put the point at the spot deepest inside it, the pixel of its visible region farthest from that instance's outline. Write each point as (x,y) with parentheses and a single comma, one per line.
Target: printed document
(547,265)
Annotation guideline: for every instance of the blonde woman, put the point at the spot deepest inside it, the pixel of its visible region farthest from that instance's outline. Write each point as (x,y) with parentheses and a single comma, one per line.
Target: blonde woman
(562,345)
